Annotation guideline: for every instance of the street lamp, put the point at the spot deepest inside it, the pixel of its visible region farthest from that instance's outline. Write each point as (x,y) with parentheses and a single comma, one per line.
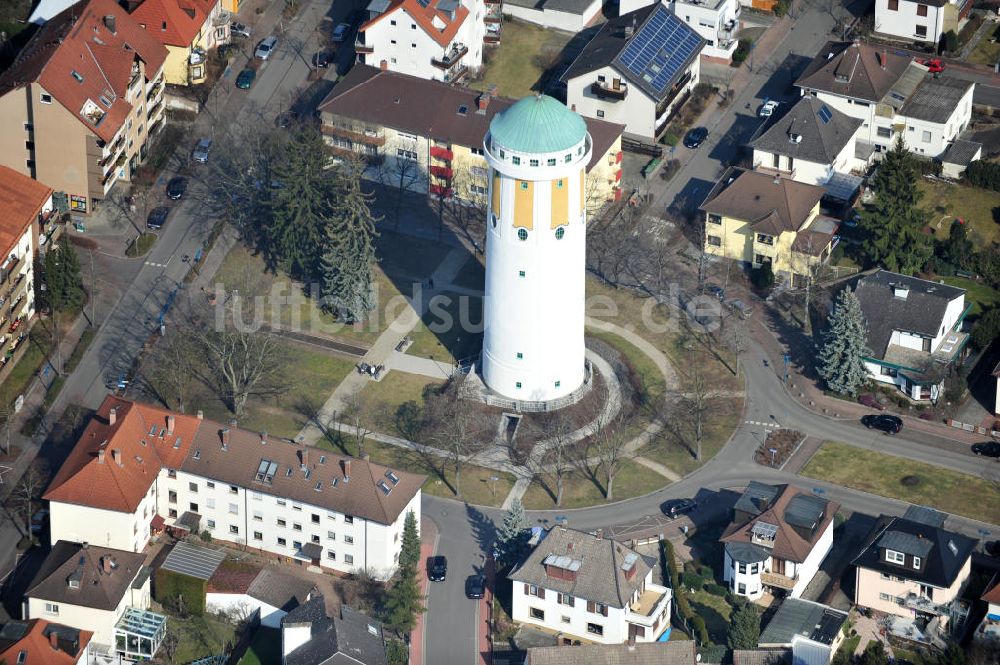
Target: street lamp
(493,486)
(772,451)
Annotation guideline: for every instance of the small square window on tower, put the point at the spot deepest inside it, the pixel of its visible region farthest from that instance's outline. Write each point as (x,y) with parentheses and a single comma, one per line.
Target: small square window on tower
(520,273)
(524,185)
(558,383)
(517,384)
(520,355)
(559,184)
(552,161)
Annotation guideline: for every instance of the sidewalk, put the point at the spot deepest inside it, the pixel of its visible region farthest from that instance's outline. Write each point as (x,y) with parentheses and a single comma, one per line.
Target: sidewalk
(428,545)
(484,615)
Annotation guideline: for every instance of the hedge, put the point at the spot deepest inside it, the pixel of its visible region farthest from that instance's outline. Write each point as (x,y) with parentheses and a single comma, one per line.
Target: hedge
(984,174)
(170,585)
(700,629)
(717,589)
(692,580)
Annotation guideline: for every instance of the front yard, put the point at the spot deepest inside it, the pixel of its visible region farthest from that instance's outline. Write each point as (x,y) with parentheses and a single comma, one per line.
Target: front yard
(517,66)
(906,480)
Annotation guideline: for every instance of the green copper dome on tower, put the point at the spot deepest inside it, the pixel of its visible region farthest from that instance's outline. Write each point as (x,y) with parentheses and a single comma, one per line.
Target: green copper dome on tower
(538,124)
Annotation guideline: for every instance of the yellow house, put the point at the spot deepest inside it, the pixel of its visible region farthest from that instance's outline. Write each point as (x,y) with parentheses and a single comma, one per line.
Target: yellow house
(758,218)
(188,28)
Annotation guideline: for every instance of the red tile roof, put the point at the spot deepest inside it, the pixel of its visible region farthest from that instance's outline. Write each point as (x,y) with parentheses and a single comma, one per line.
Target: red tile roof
(80,39)
(38,647)
(90,476)
(173,22)
(424,17)
(21,199)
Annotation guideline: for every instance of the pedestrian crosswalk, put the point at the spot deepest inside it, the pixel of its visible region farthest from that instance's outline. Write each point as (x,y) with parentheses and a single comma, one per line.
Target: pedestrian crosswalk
(155,264)
(760,423)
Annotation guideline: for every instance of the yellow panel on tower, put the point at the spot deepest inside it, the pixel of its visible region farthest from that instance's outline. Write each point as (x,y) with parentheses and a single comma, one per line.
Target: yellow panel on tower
(524,204)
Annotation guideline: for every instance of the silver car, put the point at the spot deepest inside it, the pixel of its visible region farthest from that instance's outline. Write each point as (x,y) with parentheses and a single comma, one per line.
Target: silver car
(201,150)
(744,310)
(266,47)
(240,29)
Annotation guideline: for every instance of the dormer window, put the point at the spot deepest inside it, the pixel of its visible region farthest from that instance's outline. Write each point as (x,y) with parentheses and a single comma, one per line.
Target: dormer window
(916,563)
(892,556)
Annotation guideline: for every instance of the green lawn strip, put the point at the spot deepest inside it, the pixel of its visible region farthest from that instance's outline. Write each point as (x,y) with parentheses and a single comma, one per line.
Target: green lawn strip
(979,294)
(881,474)
(849,645)
(141,245)
(199,637)
(986,52)
(471,276)
(973,204)
(450,329)
(580,491)
(265,648)
(380,400)
(515,66)
(668,448)
(649,373)
(715,611)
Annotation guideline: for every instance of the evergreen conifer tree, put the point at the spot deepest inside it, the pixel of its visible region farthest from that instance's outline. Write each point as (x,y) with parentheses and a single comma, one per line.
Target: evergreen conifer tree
(512,536)
(403,601)
(346,265)
(409,549)
(63,282)
(844,345)
(744,628)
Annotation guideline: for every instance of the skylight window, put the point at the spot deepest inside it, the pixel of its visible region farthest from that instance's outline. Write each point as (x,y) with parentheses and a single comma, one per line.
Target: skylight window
(77,75)
(393,478)
(197,454)
(384,487)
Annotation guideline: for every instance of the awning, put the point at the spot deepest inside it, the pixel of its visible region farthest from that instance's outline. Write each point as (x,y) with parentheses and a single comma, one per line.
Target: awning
(843,186)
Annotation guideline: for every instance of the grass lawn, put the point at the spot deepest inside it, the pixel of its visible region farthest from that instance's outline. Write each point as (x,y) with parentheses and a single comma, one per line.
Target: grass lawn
(882,474)
(986,52)
(265,648)
(143,244)
(946,201)
(515,67)
(579,491)
(715,611)
(199,637)
(649,374)
(669,447)
(451,328)
(981,295)
(380,399)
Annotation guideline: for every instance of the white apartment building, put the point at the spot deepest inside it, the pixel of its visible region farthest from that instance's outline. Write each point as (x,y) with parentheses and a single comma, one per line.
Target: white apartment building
(591,589)
(137,466)
(914,331)
(892,95)
(441,40)
(925,21)
(776,541)
(717,21)
(637,71)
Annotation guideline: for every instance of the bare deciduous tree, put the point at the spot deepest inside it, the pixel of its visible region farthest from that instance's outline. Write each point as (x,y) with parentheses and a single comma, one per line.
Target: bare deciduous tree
(28,491)
(558,462)
(695,402)
(354,415)
(458,430)
(610,447)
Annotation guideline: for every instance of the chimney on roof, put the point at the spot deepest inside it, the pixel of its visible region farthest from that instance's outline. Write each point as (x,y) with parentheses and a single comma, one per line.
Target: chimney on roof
(346,464)
(116,455)
(483,101)
(100,456)
(885,57)
(106,565)
(304,457)
(224,437)
(54,639)
(112,416)
(263,438)
(170,424)
(201,414)
(109,23)
(569,546)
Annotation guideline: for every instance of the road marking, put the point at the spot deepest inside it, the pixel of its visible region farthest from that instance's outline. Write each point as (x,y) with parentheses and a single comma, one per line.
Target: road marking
(156,265)
(770,423)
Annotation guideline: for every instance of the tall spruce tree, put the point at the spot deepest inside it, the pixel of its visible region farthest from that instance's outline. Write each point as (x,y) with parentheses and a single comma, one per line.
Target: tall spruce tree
(512,535)
(894,224)
(744,628)
(845,343)
(409,549)
(403,601)
(346,265)
(63,282)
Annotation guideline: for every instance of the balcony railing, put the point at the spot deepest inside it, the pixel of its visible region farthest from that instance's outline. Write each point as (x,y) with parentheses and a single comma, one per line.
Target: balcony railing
(442,153)
(451,57)
(650,605)
(9,274)
(676,90)
(442,172)
(492,35)
(361,47)
(355,136)
(456,74)
(779,581)
(18,289)
(605,91)
(494,12)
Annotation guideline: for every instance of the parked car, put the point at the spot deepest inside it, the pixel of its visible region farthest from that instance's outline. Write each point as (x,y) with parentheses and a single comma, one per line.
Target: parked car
(201,150)
(767,108)
(340,32)
(677,507)
(321,60)
(987,449)
(266,47)
(716,291)
(933,65)
(240,30)
(695,137)
(475,586)
(437,568)
(157,217)
(744,310)
(884,422)
(245,79)
(176,187)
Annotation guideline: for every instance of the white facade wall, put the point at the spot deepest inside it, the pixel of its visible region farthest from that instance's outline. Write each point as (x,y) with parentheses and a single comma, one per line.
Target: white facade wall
(808,568)
(100,622)
(246,516)
(533,345)
(801,170)
(711,22)
(550,18)
(750,574)
(902,22)
(107,528)
(227,603)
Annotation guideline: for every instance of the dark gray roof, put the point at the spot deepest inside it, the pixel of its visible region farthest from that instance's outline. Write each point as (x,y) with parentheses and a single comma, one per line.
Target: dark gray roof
(921,312)
(747,552)
(84,566)
(762,657)
(601,577)
(194,561)
(757,497)
(279,589)
(814,621)
(350,638)
(823,131)
(962,152)
(905,542)
(942,564)
(854,69)
(805,510)
(925,515)
(935,99)
(613,38)
(649,653)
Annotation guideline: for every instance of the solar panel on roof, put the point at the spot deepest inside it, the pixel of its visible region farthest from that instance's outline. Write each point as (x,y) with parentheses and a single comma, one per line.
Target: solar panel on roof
(423,3)
(658,51)
(824,114)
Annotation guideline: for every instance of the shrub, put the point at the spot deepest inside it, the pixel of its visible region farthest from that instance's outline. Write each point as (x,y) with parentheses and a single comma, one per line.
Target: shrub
(781,7)
(717,589)
(910,481)
(742,52)
(762,278)
(692,580)
(700,629)
(671,139)
(949,41)
(871,402)
(984,174)
(706,572)
(987,328)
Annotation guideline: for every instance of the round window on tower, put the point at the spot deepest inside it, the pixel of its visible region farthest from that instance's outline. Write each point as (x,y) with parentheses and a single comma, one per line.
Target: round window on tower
(522,234)
(560,232)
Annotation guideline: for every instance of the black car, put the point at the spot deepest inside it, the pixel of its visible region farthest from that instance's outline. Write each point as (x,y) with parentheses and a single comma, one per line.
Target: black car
(676,508)
(716,291)
(992,548)
(695,137)
(886,423)
(157,217)
(475,586)
(987,449)
(176,187)
(437,568)
(321,60)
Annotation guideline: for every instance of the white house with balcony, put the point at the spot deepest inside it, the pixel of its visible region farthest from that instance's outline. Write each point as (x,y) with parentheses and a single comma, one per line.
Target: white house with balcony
(637,71)
(592,589)
(893,96)
(914,331)
(717,21)
(915,21)
(776,541)
(441,40)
